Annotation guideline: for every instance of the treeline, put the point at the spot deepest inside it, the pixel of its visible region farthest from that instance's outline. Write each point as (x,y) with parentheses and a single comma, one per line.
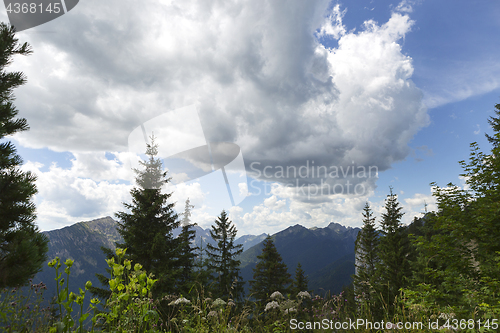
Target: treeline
(179,267)
(444,265)
(180,271)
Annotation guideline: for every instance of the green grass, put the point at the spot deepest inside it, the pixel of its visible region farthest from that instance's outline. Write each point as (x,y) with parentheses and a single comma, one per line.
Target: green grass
(132,308)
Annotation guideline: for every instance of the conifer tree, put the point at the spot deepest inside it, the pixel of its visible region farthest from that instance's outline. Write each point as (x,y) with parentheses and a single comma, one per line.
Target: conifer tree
(203,274)
(222,259)
(482,174)
(22,247)
(366,249)
(187,253)
(495,124)
(270,273)
(365,282)
(460,259)
(147,229)
(394,247)
(300,282)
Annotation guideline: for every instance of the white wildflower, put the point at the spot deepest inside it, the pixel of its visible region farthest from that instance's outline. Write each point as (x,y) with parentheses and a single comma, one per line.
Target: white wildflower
(219,302)
(446,316)
(287,305)
(182,300)
(303,294)
(276,295)
(272,305)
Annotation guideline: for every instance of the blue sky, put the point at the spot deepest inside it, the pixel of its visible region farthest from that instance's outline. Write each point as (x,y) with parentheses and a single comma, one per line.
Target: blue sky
(401,86)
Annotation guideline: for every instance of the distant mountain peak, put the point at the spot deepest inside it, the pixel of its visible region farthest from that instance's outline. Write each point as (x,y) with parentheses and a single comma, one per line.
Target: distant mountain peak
(250,240)
(293,229)
(326,254)
(337,227)
(105,226)
(297,226)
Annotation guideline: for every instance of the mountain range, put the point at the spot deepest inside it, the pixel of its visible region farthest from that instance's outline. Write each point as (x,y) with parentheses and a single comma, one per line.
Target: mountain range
(326,254)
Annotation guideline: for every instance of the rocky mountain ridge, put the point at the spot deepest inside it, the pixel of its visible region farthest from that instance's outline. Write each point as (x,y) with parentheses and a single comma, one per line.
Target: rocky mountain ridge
(326,254)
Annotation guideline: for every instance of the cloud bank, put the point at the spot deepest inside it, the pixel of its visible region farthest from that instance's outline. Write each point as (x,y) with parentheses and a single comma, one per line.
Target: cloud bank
(257,70)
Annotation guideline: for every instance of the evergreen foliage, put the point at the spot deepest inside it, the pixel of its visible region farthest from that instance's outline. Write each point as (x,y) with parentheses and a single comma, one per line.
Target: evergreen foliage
(222,259)
(22,247)
(270,273)
(495,124)
(300,282)
(393,266)
(367,259)
(460,259)
(147,229)
(187,253)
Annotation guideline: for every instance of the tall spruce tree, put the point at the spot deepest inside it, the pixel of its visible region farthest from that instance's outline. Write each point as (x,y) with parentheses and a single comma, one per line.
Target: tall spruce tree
(270,274)
(222,259)
(394,247)
(187,253)
(300,283)
(147,228)
(22,247)
(366,249)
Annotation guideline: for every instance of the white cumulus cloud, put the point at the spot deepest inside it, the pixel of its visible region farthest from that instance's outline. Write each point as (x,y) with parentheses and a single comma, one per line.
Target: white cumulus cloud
(257,70)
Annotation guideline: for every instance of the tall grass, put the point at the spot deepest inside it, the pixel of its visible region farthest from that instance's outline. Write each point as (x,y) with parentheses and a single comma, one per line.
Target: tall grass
(131,308)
